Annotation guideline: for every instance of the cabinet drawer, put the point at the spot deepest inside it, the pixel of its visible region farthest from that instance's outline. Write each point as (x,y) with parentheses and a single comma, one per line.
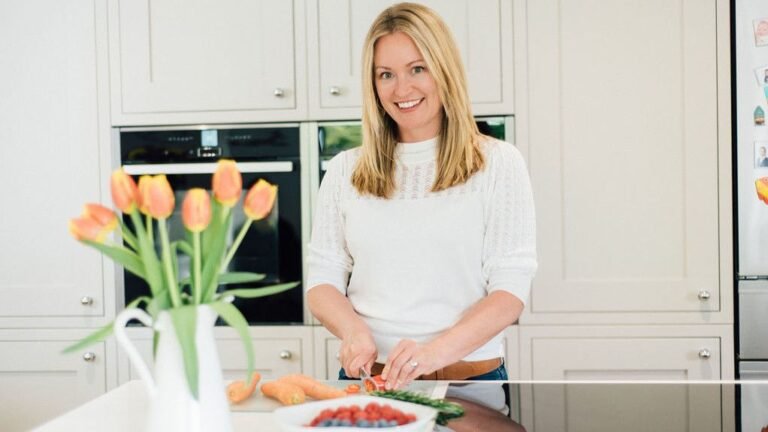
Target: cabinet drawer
(273,357)
(38,383)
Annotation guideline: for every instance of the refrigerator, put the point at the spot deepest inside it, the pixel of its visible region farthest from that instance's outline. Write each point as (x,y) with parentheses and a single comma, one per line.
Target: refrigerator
(750,80)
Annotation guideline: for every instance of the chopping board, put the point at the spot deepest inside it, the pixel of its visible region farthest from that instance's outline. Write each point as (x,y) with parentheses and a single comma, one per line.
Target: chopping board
(260,403)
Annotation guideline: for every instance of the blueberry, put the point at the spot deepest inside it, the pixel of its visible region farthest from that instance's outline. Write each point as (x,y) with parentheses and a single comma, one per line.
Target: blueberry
(392,423)
(345,423)
(325,423)
(363,423)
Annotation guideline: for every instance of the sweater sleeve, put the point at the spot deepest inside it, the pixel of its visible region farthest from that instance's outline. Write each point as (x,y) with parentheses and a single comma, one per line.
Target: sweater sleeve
(509,248)
(328,259)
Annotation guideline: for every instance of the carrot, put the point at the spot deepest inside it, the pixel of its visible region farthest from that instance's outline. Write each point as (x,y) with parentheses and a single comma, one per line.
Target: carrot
(313,388)
(285,392)
(352,389)
(238,391)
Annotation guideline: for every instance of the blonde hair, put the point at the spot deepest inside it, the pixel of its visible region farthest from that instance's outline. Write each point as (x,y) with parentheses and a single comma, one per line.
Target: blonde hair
(459,155)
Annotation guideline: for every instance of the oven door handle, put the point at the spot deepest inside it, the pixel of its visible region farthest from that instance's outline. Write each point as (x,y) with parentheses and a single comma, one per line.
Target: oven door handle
(207,168)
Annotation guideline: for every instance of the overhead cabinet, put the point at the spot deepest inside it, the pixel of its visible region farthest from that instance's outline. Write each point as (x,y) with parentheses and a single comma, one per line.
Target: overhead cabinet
(482,30)
(206,61)
(176,62)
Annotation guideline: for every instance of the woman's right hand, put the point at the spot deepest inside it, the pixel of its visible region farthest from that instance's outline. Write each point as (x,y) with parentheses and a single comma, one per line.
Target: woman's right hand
(358,350)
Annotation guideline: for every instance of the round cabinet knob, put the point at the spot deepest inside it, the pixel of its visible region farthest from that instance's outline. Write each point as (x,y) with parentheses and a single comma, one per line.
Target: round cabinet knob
(86,300)
(285,355)
(278,92)
(703,295)
(335,91)
(89,356)
(704,353)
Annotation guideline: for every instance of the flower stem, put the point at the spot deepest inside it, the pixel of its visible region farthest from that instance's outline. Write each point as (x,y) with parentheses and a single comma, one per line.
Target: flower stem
(173,288)
(196,264)
(236,244)
(127,235)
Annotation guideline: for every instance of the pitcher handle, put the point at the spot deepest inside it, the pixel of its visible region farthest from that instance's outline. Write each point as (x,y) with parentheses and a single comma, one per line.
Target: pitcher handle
(125,342)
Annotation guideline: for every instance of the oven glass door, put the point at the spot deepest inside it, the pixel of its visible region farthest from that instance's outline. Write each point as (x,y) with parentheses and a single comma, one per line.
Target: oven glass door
(272,246)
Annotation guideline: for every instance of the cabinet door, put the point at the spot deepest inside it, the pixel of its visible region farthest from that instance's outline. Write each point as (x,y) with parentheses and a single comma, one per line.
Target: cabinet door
(482,30)
(38,383)
(187,61)
(610,407)
(273,357)
(50,163)
(623,151)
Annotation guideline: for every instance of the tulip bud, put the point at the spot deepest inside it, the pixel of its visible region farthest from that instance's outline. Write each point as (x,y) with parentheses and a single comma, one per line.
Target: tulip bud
(125,194)
(103,216)
(761,185)
(227,183)
(143,189)
(84,228)
(94,224)
(259,200)
(196,210)
(160,199)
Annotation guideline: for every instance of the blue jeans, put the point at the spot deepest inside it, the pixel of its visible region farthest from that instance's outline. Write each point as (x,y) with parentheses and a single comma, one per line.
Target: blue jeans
(498,374)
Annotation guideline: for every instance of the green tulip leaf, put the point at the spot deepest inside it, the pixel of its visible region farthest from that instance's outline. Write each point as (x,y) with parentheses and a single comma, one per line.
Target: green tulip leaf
(97,336)
(232,316)
(184,247)
(102,333)
(124,256)
(185,324)
(257,292)
(239,277)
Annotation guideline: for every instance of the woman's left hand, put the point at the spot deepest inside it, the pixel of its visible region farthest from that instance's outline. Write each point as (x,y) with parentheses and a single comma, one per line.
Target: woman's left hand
(407,361)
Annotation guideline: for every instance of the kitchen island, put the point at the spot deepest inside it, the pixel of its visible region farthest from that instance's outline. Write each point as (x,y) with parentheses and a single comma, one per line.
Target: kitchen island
(575,406)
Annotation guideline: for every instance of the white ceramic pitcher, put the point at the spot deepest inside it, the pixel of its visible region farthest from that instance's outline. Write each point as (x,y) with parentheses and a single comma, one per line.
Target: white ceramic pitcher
(171,405)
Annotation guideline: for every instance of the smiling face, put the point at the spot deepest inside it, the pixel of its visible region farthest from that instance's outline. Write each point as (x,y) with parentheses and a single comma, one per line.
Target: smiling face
(406,89)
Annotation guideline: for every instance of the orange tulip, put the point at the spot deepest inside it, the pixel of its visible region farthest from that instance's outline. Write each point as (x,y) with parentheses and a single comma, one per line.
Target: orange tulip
(94,224)
(761,185)
(196,210)
(105,217)
(159,199)
(143,189)
(227,183)
(260,199)
(125,194)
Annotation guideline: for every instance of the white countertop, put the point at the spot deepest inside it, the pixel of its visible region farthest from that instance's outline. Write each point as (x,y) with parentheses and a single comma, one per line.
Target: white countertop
(124,410)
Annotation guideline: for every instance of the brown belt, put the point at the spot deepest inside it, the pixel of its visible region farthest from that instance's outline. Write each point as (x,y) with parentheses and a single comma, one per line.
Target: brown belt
(460,370)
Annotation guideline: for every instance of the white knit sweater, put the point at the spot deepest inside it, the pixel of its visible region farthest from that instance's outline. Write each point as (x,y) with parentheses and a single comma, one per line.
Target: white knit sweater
(419,260)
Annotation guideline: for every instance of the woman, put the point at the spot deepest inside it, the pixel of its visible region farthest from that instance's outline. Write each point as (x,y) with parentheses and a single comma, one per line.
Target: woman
(423,243)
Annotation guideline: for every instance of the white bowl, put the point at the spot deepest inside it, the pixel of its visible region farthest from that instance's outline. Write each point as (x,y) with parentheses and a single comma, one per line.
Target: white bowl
(294,418)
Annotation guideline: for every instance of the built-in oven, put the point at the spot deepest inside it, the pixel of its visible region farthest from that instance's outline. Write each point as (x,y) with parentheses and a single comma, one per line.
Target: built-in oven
(272,246)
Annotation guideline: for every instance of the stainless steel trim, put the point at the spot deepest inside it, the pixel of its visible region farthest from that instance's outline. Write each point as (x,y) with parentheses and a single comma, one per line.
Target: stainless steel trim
(207,168)
(207,126)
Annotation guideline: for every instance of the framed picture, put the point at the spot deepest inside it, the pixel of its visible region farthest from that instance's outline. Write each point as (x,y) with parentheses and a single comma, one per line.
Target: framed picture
(761,31)
(761,154)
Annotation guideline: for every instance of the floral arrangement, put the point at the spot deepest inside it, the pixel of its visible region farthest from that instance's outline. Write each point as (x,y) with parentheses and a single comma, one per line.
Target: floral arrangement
(206,221)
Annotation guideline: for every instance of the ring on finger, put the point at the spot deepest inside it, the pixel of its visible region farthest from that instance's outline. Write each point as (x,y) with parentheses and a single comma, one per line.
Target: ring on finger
(414,364)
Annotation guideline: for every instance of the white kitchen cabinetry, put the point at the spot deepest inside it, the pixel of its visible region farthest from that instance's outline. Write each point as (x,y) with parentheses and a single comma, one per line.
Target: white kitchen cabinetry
(482,30)
(601,353)
(38,383)
(626,126)
(206,61)
(54,139)
(278,350)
